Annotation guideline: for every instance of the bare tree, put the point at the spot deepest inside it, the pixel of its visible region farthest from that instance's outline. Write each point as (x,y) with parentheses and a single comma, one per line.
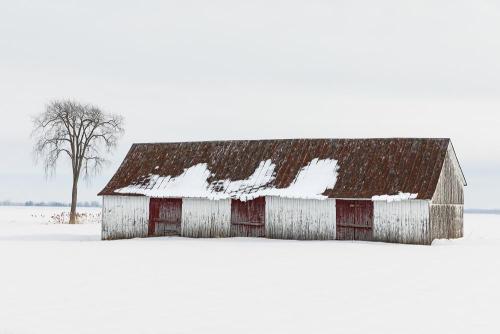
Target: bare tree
(82,132)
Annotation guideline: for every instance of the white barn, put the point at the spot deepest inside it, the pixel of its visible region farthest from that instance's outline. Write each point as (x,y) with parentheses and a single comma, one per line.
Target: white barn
(392,190)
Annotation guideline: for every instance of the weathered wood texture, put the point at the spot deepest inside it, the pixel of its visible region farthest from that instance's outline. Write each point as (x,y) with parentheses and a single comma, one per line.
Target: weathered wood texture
(447,221)
(450,187)
(165,217)
(248,219)
(404,222)
(447,206)
(204,218)
(124,217)
(300,219)
(354,220)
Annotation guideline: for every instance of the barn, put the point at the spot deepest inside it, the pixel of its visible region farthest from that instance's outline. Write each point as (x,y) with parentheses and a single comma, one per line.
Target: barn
(392,190)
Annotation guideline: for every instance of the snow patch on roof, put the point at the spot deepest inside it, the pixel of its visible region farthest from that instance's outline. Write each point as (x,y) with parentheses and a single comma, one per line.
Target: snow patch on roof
(310,182)
(263,175)
(191,183)
(395,198)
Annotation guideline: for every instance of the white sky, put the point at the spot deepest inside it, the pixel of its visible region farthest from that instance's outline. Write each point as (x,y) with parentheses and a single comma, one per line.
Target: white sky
(201,70)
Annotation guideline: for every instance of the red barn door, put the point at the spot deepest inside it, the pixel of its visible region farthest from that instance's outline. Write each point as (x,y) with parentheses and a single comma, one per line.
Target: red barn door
(165,216)
(248,218)
(354,220)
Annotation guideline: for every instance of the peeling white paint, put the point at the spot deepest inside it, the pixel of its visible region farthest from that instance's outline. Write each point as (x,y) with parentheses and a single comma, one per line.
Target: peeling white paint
(401,222)
(204,218)
(301,219)
(125,217)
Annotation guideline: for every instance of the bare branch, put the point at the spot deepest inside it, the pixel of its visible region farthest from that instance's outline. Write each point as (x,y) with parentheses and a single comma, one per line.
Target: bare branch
(82,132)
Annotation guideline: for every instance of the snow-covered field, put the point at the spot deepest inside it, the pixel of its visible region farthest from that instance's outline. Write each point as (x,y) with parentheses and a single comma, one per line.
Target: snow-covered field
(61,279)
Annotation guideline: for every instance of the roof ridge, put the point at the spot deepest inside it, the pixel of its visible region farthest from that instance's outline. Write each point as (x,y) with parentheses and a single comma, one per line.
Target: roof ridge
(291,139)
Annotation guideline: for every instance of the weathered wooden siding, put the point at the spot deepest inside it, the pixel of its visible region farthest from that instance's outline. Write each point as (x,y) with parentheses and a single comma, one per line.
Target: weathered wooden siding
(124,217)
(450,187)
(447,206)
(165,217)
(248,218)
(204,218)
(447,221)
(404,222)
(300,219)
(354,220)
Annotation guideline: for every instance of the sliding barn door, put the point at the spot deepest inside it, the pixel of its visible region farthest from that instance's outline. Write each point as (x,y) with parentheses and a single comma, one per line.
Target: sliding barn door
(354,220)
(165,217)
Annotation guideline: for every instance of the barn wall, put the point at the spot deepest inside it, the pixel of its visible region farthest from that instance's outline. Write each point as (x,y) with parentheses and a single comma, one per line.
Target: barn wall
(447,207)
(447,221)
(204,218)
(402,222)
(124,217)
(300,219)
(450,188)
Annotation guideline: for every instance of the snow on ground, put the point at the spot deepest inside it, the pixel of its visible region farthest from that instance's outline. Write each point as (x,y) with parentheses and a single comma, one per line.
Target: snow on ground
(41,223)
(61,279)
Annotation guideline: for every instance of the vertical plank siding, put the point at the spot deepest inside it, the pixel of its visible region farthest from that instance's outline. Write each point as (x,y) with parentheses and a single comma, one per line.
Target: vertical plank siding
(248,219)
(450,189)
(300,219)
(404,222)
(411,222)
(165,217)
(447,206)
(204,218)
(447,221)
(124,217)
(354,220)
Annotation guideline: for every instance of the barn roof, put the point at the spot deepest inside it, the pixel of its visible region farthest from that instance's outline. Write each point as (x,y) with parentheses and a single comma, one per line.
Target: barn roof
(305,168)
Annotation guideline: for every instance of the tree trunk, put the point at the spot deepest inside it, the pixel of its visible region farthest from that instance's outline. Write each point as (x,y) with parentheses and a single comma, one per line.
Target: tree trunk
(74,199)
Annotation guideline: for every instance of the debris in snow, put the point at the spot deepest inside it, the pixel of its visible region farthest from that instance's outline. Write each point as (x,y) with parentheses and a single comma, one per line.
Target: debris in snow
(311,182)
(395,198)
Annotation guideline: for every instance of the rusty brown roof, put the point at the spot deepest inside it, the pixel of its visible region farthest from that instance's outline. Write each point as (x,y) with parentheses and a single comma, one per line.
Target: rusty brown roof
(366,167)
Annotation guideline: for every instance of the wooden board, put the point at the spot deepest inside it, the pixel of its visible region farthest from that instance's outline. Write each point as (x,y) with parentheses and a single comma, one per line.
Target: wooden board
(124,217)
(354,220)
(165,217)
(248,219)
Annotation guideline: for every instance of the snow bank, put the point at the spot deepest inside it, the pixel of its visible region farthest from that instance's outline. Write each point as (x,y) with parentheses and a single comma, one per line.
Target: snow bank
(310,182)
(395,198)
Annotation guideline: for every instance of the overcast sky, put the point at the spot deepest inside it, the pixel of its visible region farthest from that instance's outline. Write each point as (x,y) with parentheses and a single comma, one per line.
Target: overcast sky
(221,69)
